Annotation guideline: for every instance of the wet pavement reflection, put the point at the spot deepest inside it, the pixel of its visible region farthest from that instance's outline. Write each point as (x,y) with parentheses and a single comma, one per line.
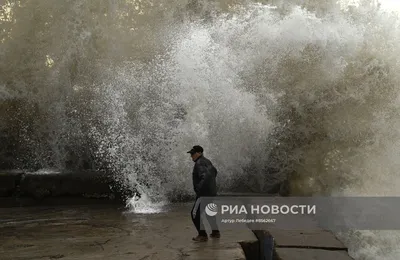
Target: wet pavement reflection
(108,232)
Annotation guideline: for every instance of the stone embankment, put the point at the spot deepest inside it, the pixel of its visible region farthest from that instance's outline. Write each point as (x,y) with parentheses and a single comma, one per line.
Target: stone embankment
(26,188)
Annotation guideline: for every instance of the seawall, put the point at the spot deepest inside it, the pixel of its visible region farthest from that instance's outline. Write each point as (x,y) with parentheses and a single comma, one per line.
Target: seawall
(23,188)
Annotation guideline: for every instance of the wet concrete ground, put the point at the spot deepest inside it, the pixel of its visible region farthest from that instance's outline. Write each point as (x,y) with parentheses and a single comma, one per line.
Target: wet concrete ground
(106,232)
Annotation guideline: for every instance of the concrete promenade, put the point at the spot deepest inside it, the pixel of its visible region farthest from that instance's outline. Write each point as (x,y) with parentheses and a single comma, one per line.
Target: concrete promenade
(96,227)
(97,232)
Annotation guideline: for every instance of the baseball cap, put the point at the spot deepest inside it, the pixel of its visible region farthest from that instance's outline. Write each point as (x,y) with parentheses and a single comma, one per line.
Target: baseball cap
(196,149)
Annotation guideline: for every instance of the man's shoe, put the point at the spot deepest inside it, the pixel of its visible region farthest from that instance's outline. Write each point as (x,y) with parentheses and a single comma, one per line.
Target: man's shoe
(200,238)
(215,234)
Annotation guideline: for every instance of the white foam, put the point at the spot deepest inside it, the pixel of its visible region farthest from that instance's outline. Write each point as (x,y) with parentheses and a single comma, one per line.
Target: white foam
(143,205)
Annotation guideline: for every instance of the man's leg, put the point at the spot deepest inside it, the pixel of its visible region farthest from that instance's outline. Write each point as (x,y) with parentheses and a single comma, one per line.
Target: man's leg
(202,234)
(214,227)
(212,220)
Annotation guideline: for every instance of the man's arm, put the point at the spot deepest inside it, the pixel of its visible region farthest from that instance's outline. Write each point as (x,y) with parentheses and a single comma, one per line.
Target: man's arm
(204,176)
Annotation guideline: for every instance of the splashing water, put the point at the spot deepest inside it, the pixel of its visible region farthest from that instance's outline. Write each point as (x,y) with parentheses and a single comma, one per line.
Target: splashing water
(308,88)
(144,205)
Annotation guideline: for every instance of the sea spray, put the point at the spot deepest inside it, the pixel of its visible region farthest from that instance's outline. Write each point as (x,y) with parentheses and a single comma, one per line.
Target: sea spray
(309,89)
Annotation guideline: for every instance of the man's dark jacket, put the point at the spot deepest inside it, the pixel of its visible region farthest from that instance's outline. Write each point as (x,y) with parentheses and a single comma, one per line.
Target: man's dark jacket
(204,174)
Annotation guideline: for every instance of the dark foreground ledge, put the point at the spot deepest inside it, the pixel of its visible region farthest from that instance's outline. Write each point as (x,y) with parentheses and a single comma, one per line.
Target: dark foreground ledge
(54,187)
(295,245)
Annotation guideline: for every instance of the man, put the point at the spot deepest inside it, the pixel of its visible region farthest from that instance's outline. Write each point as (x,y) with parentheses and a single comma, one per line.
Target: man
(204,184)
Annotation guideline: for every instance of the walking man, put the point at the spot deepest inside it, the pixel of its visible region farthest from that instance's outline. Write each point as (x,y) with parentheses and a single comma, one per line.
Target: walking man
(204,184)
